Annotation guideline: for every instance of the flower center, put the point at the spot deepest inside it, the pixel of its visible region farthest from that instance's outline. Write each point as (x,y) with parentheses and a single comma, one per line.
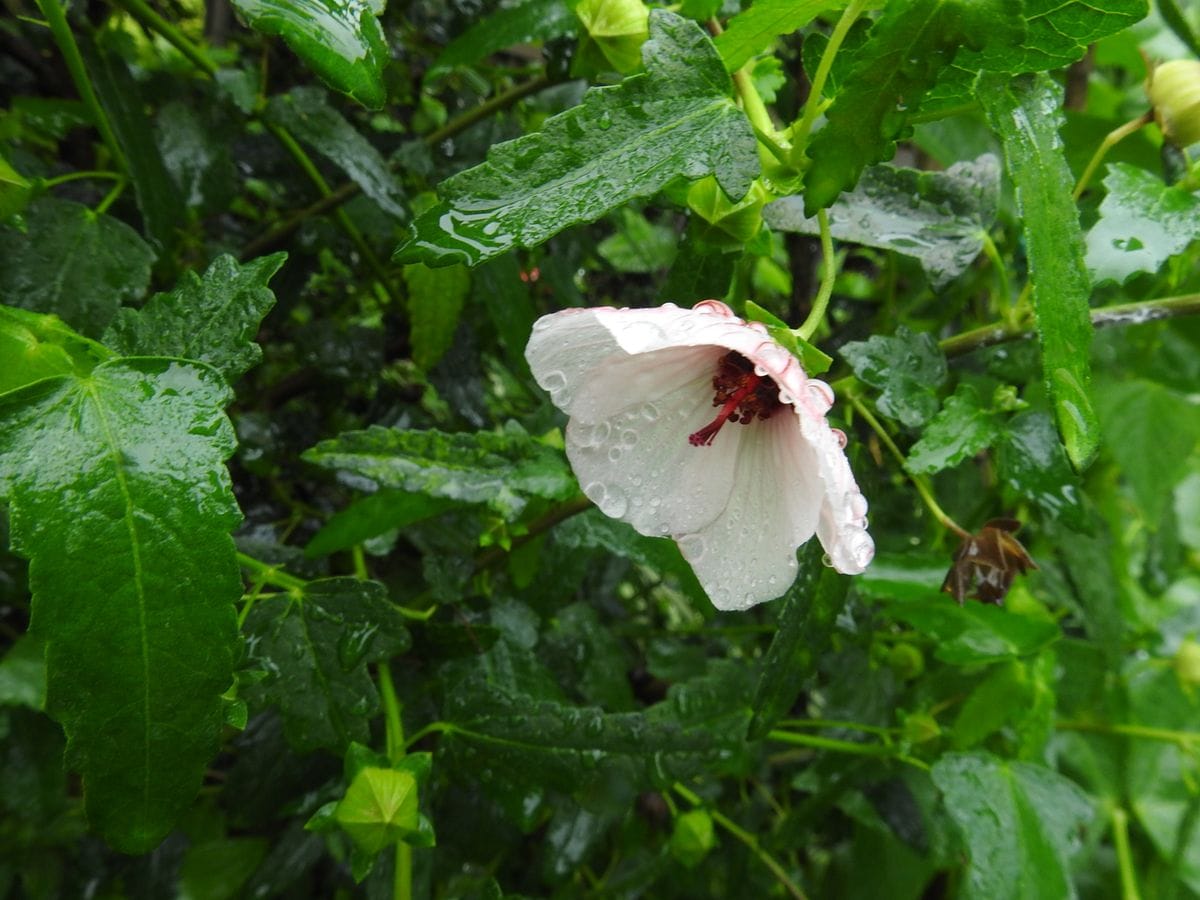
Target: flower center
(742,394)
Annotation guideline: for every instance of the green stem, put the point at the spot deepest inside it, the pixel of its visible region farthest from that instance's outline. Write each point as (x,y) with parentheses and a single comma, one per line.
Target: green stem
(57,20)
(395,748)
(141,11)
(828,276)
(79,176)
(812,106)
(817,742)
(1110,140)
(746,838)
(1183,739)
(1120,829)
(917,481)
(837,723)
(1002,287)
(111,197)
(268,574)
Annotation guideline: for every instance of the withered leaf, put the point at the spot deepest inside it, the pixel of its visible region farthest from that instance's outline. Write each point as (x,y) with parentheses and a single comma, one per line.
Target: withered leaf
(986,563)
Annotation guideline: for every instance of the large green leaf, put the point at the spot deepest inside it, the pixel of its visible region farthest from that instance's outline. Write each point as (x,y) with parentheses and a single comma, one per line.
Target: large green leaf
(1021,824)
(1031,462)
(212,318)
(622,142)
(315,646)
(907,48)
(753,30)
(435,303)
(501,469)
(35,346)
(74,263)
(938,218)
(372,516)
(520,23)
(1143,223)
(341,40)
(306,113)
(119,499)
(1024,112)
(907,368)
(961,429)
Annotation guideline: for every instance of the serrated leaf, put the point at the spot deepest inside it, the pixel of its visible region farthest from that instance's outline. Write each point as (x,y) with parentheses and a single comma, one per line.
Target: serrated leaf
(1024,112)
(908,46)
(315,647)
(74,263)
(755,29)
(126,526)
(372,516)
(1031,462)
(1021,824)
(621,143)
(1143,223)
(501,469)
(341,40)
(974,633)
(810,609)
(1151,431)
(907,368)
(520,23)
(938,218)
(306,113)
(961,429)
(35,346)
(212,318)
(435,303)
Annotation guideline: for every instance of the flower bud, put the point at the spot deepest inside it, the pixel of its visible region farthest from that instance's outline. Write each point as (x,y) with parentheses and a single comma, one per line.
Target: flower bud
(919,728)
(725,221)
(1174,89)
(906,661)
(1187,663)
(616,30)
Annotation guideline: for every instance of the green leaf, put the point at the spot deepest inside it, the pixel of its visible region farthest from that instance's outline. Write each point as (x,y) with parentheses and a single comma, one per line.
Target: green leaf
(520,23)
(638,246)
(621,143)
(1173,16)
(754,30)
(15,190)
(1031,462)
(306,113)
(315,647)
(435,303)
(1143,223)
(904,577)
(212,318)
(809,610)
(938,218)
(34,346)
(501,287)
(700,271)
(1020,822)
(23,674)
(74,263)
(195,149)
(218,869)
(1024,112)
(372,516)
(133,576)
(379,808)
(908,46)
(907,368)
(1151,431)
(588,657)
(341,40)
(961,429)
(500,469)
(1002,696)
(974,633)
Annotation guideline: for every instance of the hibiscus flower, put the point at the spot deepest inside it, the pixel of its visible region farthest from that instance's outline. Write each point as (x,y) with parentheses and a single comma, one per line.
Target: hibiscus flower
(739,490)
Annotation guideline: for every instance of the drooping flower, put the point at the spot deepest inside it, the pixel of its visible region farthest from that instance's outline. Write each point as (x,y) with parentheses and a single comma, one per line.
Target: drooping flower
(739,490)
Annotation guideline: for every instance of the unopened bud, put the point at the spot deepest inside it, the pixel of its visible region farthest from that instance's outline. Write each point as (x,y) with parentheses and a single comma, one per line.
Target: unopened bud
(1174,89)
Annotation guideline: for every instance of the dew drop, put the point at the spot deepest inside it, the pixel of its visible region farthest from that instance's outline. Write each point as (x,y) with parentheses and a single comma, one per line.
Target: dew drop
(554,381)
(786,397)
(542,324)
(819,394)
(614,454)
(629,437)
(692,547)
(840,437)
(856,503)
(614,504)
(761,371)
(649,412)
(596,492)
(827,561)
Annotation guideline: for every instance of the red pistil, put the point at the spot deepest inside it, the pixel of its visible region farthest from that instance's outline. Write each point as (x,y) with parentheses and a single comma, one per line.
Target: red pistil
(704,437)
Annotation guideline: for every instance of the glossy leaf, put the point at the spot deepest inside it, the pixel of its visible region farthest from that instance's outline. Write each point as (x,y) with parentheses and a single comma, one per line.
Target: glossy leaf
(907,368)
(1143,223)
(435,303)
(1024,112)
(500,469)
(372,516)
(1151,431)
(126,526)
(1020,822)
(908,46)
(35,346)
(211,317)
(520,23)
(960,429)
(621,143)
(74,263)
(341,40)
(754,29)
(1031,462)
(938,218)
(810,609)
(315,647)
(974,633)
(307,114)
(638,245)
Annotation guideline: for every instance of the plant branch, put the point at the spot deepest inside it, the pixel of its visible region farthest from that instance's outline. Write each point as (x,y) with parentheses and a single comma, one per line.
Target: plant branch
(828,276)
(818,742)
(141,11)
(1110,140)
(1120,829)
(813,105)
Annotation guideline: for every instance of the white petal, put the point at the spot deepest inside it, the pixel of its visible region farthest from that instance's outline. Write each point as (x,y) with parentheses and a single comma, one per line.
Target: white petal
(842,527)
(564,348)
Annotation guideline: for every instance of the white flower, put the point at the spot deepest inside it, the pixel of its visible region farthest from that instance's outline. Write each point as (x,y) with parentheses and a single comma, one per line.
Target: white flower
(740,491)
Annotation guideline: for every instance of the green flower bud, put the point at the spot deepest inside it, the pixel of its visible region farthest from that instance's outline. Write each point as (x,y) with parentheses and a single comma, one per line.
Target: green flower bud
(693,837)
(1187,663)
(920,727)
(616,30)
(727,222)
(906,661)
(1174,89)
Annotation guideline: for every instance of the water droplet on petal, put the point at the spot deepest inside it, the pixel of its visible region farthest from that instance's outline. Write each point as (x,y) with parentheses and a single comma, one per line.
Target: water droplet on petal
(856,503)
(629,437)
(840,437)
(554,381)
(820,394)
(614,504)
(692,546)
(649,412)
(761,371)
(542,324)
(614,454)
(786,397)
(596,492)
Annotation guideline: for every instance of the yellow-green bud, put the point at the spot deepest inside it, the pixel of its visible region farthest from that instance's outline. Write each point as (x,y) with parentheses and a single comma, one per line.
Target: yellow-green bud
(1174,89)
(906,661)
(726,220)
(1187,663)
(616,30)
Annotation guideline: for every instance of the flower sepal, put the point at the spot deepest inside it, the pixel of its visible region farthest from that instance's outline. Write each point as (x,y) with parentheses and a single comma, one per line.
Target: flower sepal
(814,361)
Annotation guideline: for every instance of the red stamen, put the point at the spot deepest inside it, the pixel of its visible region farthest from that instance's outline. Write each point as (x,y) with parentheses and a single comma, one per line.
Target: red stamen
(704,437)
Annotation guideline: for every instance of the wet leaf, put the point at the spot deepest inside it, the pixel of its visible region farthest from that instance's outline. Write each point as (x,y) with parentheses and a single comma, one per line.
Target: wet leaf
(755,29)
(1143,223)
(126,527)
(74,263)
(341,40)
(1031,462)
(195,149)
(966,635)
(638,245)
(315,648)
(907,368)
(211,317)
(1024,112)
(500,469)
(938,218)
(435,302)
(1021,824)
(372,516)
(961,429)
(621,143)
(35,346)
(520,23)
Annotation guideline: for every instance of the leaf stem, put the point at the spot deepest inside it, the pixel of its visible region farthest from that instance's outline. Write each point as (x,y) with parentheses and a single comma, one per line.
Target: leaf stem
(1008,308)
(141,11)
(813,105)
(1120,829)
(917,481)
(545,522)
(395,748)
(57,20)
(79,176)
(828,276)
(1111,139)
(746,838)
(111,197)
(269,574)
(1185,740)
(819,742)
